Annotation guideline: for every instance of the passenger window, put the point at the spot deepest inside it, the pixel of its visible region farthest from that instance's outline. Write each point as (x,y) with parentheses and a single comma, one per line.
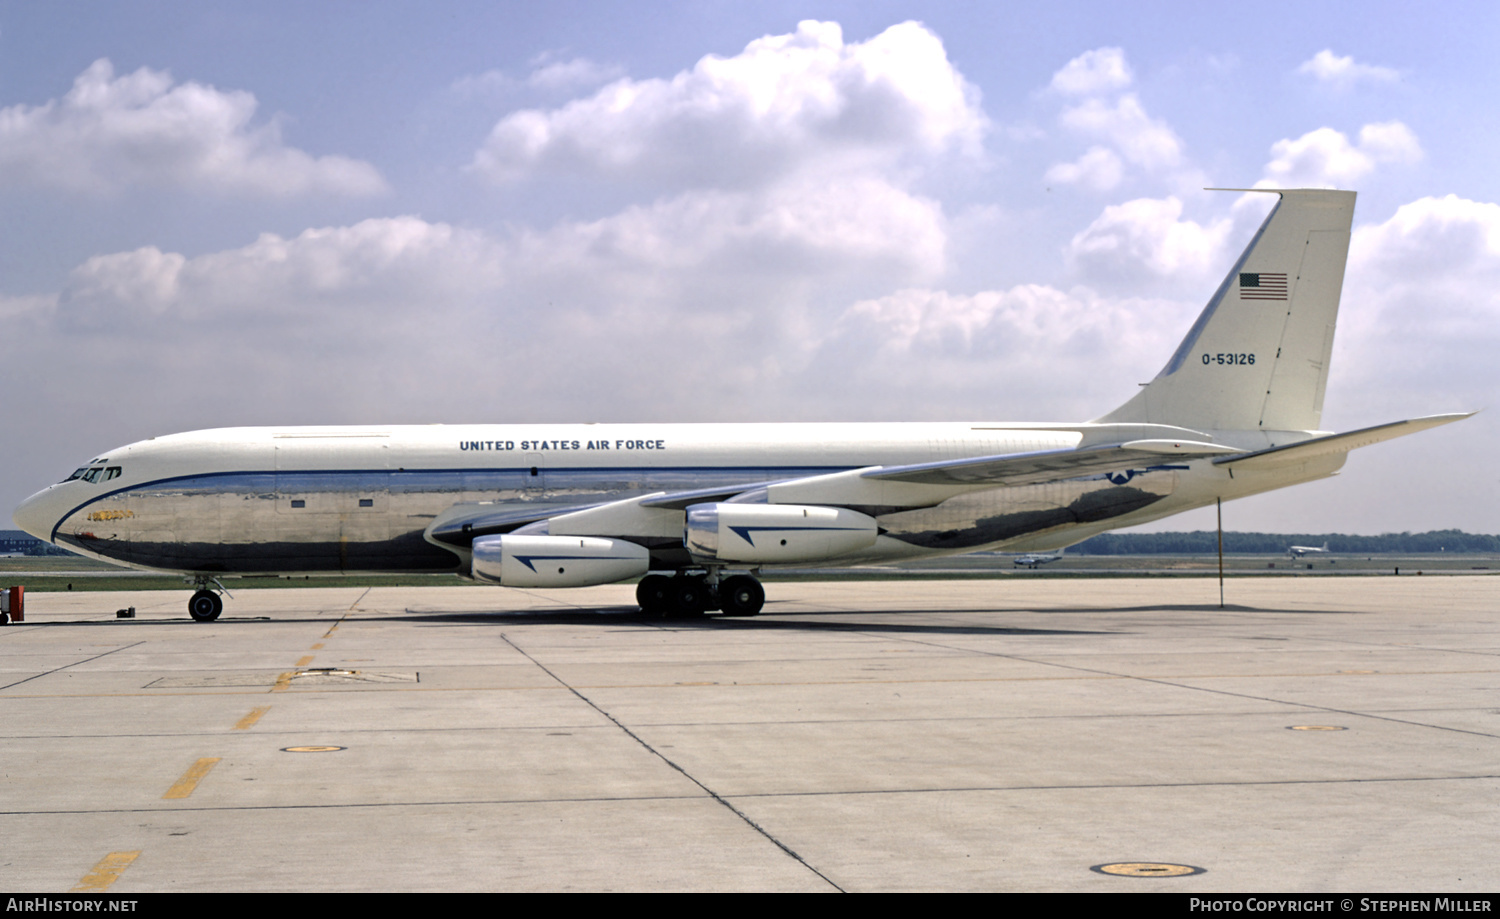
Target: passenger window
(298,502)
(366,502)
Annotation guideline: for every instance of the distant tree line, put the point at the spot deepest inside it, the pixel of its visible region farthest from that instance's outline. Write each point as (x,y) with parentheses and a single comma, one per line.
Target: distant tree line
(1205,542)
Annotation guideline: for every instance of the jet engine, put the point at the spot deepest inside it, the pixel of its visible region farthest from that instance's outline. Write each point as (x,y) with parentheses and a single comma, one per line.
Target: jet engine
(774,533)
(557,561)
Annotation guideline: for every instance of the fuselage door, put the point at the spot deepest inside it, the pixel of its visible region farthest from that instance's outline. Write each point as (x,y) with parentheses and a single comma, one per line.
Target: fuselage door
(535,473)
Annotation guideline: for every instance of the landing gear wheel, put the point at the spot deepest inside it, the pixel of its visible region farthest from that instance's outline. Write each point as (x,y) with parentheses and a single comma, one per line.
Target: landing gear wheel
(689,600)
(205,606)
(654,594)
(741,595)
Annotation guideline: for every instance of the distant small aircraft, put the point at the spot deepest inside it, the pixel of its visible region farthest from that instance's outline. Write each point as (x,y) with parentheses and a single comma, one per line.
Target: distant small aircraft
(1299,551)
(1034,559)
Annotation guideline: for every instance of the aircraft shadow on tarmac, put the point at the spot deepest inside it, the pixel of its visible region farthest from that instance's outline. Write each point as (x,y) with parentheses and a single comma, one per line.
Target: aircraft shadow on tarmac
(818,620)
(804,620)
(611,617)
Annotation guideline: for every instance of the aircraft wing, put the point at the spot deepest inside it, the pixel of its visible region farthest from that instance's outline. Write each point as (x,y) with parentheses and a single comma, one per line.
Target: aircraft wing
(659,514)
(1336,443)
(645,515)
(679,500)
(1047,465)
(462,523)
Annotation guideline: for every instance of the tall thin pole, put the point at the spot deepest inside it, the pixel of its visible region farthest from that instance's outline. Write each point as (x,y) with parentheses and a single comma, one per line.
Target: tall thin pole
(1219,504)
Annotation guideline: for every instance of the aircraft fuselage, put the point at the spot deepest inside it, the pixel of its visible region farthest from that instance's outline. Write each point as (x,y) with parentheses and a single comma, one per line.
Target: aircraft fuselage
(325,500)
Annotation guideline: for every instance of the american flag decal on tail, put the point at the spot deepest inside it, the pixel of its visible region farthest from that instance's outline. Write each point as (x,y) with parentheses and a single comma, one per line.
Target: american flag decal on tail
(1262,286)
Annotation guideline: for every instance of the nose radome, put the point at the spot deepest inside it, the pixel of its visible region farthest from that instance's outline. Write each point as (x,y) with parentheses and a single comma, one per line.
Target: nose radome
(38,514)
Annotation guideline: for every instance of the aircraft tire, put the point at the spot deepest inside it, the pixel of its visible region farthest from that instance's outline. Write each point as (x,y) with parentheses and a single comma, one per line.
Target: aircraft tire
(205,606)
(654,594)
(741,595)
(689,599)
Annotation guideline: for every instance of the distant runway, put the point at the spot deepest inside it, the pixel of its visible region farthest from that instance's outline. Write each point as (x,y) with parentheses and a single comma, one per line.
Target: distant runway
(1320,734)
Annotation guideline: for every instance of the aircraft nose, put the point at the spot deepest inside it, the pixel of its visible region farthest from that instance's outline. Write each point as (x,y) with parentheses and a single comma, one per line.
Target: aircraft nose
(38,514)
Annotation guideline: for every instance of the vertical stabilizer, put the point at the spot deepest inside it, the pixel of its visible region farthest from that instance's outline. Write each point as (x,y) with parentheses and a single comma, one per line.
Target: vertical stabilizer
(1257,358)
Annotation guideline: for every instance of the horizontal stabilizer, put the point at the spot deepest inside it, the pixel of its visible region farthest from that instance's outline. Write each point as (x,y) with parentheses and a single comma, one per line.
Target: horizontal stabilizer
(1047,465)
(1336,443)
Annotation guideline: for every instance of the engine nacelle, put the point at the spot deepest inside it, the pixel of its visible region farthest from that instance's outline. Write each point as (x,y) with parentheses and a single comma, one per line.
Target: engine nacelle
(557,561)
(775,533)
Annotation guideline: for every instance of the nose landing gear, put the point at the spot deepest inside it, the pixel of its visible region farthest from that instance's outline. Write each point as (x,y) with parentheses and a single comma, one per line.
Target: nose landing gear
(205,605)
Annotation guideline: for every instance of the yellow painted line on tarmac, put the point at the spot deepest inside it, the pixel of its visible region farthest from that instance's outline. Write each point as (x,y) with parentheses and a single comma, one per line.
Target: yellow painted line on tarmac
(248,722)
(191,778)
(303,662)
(283,681)
(316,647)
(106,872)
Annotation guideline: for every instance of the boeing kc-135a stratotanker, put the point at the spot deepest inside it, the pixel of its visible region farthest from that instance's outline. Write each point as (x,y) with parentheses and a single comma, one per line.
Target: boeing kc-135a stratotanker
(696,511)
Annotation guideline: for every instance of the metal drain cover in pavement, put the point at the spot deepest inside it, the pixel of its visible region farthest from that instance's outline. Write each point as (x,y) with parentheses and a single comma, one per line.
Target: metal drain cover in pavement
(1147,870)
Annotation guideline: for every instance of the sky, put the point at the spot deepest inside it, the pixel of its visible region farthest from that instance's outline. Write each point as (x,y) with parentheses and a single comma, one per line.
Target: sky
(268,213)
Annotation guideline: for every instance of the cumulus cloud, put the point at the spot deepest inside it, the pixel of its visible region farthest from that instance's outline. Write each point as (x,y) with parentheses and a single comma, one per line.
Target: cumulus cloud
(332,275)
(1326,157)
(110,133)
(1147,239)
(713,284)
(699,307)
(1429,275)
(1143,140)
(571,74)
(1343,72)
(1437,241)
(1418,331)
(490,82)
(548,75)
(1093,72)
(1098,169)
(665,309)
(1105,111)
(787,102)
(934,353)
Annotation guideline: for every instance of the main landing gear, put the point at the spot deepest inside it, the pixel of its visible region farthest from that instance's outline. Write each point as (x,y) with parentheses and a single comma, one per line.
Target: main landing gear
(205,605)
(689,596)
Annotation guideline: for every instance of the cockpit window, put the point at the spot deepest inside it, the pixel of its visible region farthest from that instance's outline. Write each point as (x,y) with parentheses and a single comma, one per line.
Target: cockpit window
(95,474)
